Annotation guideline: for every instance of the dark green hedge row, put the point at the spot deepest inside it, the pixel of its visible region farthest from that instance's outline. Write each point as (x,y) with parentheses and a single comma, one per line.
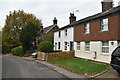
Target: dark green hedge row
(18,51)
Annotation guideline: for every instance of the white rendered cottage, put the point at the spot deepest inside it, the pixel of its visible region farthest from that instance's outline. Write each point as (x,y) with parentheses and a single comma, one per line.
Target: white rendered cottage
(64,37)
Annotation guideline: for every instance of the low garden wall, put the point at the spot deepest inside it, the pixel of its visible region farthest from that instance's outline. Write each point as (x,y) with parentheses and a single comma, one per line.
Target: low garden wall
(41,55)
(55,56)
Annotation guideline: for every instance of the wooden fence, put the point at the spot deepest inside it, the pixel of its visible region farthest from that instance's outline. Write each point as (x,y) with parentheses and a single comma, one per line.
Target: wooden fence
(55,56)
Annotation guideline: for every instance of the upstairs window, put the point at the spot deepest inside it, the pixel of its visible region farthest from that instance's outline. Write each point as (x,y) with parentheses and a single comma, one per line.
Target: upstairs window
(87,46)
(104,24)
(105,46)
(59,34)
(65,32)
(87,28)
(78,45)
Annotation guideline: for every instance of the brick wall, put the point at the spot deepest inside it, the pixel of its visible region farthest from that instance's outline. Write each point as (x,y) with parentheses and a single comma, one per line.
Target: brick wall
(60,55)
(95,32)
(55,56)
(119,27)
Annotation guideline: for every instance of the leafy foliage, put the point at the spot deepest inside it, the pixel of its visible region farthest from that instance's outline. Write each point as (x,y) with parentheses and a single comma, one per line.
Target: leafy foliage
(28,36)
(49,37)
(14,23)
(45,46)
(18,51)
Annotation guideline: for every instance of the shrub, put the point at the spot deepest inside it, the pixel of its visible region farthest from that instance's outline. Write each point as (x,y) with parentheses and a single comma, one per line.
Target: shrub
(7,49)
(45,46)
(17,51)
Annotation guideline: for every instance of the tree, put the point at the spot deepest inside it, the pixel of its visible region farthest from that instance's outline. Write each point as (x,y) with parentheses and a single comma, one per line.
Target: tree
(45,46)
(28,36)
(49,37)
(14,23)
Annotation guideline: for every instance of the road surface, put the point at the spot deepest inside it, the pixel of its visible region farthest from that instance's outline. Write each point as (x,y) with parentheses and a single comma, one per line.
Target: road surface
(14,67)
(0,67)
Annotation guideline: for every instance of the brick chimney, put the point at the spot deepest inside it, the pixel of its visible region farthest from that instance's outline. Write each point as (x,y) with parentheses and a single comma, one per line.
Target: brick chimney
(54,21)
(106,5)
(72,18)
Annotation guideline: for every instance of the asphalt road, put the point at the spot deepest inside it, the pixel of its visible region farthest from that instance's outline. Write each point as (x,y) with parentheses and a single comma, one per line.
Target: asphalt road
(20,68)
(0,67)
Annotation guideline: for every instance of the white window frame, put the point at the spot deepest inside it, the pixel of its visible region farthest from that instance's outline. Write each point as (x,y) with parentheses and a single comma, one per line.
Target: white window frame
(87,28)
(105,46)
(104,24)
(65,45)
(87,46)
(78,46)
(65,32)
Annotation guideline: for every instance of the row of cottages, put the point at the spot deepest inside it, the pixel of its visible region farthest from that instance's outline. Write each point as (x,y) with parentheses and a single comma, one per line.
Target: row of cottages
(94,37)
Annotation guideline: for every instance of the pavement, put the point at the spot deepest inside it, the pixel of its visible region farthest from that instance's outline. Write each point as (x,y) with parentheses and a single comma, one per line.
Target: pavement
(111,74)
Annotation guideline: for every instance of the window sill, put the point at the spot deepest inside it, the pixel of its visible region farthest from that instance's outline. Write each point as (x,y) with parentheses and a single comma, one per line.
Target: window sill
(88,52)
(105,54)
(78,50)
(104,31)
(86,33)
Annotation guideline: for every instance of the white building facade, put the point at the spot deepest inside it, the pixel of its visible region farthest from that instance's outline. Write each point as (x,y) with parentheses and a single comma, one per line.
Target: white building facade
(63,39)
(96,50)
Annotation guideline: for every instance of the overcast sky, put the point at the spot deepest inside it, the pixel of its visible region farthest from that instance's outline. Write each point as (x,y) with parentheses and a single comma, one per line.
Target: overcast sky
(46,10)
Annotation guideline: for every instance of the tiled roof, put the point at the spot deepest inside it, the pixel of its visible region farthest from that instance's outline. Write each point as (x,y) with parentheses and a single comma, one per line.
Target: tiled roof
(47,29)
(93,17)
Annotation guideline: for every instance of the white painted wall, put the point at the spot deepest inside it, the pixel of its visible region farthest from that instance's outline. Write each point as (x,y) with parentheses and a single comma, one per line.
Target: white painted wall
(64,38)
(118,43)
(96,46)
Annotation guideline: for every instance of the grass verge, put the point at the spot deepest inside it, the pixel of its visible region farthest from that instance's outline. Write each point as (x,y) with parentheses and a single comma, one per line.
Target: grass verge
(80,66)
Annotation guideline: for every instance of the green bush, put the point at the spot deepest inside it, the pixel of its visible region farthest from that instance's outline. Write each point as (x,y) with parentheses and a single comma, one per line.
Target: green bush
(45,46)
(7,49)
(17,51)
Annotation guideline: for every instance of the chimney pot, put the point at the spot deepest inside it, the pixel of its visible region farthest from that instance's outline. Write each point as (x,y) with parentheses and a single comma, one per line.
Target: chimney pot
(55,21)
(106,5)
(72,18)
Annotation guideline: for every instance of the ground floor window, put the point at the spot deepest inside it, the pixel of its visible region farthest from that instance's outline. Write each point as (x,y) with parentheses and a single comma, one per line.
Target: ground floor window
(65,45)
(55,46)
(87,46)
(105,46)
(58,45)
(78,45)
